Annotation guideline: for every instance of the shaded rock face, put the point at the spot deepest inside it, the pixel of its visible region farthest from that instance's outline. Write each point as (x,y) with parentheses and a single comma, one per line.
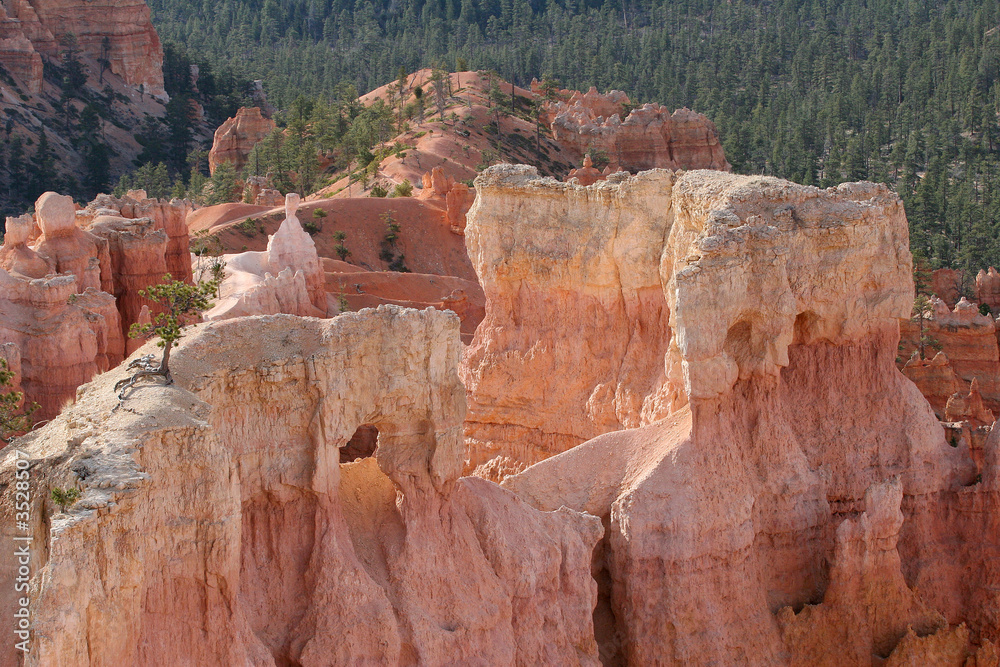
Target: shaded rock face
(217,526)
(30,29)
(968,342)
(63,337)
(235,138)
(167,216)
(649,137)
(799,503)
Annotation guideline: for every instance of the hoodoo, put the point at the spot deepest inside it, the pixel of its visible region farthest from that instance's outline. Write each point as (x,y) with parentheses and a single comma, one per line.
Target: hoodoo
(787,495)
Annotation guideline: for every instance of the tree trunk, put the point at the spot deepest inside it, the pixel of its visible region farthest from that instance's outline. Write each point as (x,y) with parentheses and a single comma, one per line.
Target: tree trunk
(165,361)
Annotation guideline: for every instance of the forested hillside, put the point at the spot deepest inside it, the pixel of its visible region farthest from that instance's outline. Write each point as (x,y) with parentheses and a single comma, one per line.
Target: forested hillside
(815,91)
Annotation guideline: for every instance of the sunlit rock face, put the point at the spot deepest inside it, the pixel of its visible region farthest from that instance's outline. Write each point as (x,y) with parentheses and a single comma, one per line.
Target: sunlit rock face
(792,496)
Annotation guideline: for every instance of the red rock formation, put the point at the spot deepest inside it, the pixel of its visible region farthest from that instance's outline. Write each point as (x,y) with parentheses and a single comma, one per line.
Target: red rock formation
(67,248)
(458,197)
(650,137)
(969,342)
(759,522)
(170,216)
(137,250)
(260,191)
(234,471)
(235,138)
(586,175)
(135,52)
(62,342)
(133,344)
(459,200)
(101,312)
(17,54)
(946,284)
(15,255)
(988,289)
(11,354)
(968,408)
(867,598)
(935,379)
(269,197)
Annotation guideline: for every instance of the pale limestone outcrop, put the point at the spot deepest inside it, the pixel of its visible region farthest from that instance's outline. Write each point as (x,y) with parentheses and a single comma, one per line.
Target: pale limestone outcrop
(217,526)
(286,278)
(235,138)
(292,248)
(784,413)
(608,280)
(16,257)
(572,279)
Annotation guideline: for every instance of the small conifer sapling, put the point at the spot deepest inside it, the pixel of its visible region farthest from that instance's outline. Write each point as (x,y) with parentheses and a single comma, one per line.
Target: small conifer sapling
(182,303)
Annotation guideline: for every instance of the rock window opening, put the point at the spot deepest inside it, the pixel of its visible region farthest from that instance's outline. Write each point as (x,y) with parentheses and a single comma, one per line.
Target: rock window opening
(361,445)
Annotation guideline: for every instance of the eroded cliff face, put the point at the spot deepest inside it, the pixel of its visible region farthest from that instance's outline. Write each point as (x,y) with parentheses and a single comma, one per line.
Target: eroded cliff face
(70,295)
(609,280)
(576,327)
(649,137)
(218,526)
(235,138)
(959,342)
(30,29)
(799,496)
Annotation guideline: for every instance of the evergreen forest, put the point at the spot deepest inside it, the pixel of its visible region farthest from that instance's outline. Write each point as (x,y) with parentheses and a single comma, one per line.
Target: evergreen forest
(904,92)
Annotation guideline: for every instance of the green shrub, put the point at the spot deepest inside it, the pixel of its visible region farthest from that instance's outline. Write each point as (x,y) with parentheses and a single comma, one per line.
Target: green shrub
(65,497)
(404,189)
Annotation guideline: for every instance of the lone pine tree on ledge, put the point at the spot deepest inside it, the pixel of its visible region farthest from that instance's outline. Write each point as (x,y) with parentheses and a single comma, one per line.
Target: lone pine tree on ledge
(15,417)
(182,304)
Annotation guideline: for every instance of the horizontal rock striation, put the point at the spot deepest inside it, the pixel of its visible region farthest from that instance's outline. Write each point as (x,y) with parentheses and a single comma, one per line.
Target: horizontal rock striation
(795,495)
(117,30)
